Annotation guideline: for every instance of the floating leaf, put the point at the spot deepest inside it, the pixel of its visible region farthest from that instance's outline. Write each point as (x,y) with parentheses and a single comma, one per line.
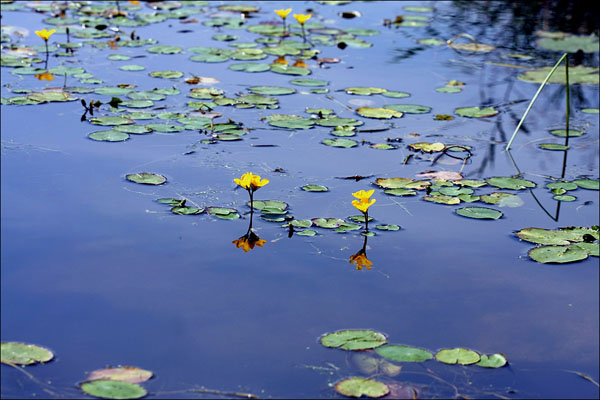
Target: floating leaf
(332,121)
(400,192)
(553,146)
(353,339)
(493,361)
(562,185)
(146,178)
(476,112)
(383,146)
(593,249)
(272,204)
(497,197)
(290,121)
(442,199)
(457,355)
(401,183)
(364,91)
(564,198)
(135,129)
(328,223)
(449,89)
(403,353)
(384,227)
(171,201)
(348,226)
(165,127)
(186,210)
(470,182)
(289,70)
(408,108)
(271,90)
(123,374)
(23,353)
(132,67)
(306,232)
(558,254)
(569,43)
(111,121)
(427,147)
(439,175)
(379,113)
(455,191)
(479,212)
(563,132)
(577,75)
(308,82)
(109,389)
(340,142)
(315,188)
(590,110)
(109,136)
(301,223)
(510,183)
(591,184)
(166,74)
(358,387)
(250,67)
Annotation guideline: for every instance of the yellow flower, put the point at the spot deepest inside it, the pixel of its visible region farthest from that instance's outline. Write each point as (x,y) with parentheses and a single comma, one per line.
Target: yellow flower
(44,34)
(251,182)
(300,63)
(46,76)
(248,241)
(360,260)
(134,2)
(363,202)
(302,18)
(283,13)
(281,60)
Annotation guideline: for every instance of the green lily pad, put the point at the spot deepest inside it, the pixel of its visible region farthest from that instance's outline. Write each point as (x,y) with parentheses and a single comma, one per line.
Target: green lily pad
(562,185)
(290,121)
(181,210)
(111,121)
(333,121)
(383,146)
(467,198)
(476,112)
(431,42)
(146,95)
(109,136)
(146,178)
(458,355)
(548,236)
(118,57)
(455,191)
(427,147)
(379,113)
(510,183)
(593,249)
(591,184)
(257,99)
(384,227)
(321,111)
(136,103)
(223,212)
(23,353)
(268,204)
(358,387)
(401,183)
(109,389)
(570,43)
(327,223)
(359,218)
(403,353)
(113,90)
(171,201)
(347,227)
(166,74)
(271,90)
(590,110)
(442,199)
(250,67)
(501,198)
(479,212)
(563,132)
(165,128)
(565,197)
(449,89)
(306,232)
(470,183)
(364,91)
(66,70)
(496,360)
(50,96)
(289,70)
(315,188)
(123,374)
(558,254)
(577,75)
(400,192)
(247,54)
(301,223)
(132,67)
(553,146)
(308,82)
(340,142)
(353,339)
(408,108)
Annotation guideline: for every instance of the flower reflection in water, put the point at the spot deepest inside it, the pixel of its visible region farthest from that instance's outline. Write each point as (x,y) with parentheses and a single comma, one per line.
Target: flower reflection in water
(360,258)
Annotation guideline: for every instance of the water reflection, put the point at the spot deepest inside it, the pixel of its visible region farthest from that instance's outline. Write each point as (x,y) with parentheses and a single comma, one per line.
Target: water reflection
(250,239)
(360,258)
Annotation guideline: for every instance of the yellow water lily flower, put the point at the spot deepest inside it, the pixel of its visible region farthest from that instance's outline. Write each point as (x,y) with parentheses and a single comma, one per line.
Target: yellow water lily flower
(283,13)
(46,76)
(363,203)
(302,18)
(300,63)
(360,260)
(251,182)
(280,60)
(45,34)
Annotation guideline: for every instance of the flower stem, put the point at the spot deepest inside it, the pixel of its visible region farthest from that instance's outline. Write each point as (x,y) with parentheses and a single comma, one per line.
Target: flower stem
(251,208)
(366,213)
(303,33)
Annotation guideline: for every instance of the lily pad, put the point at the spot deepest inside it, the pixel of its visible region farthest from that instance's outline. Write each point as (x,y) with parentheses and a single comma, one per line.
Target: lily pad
(146,178)
(470,183)
(166,74)
(327,223)
(290,121)
(403,353)
(408,108)
(476,112)
(289,70)
(384,227)
(306,232)
(250,67)
(358,387)
(379,113)
(563,132)
(269,204)
(187,210)
(364,91)
(109,389)
(593,249)
(591,184)
(315,188)
(271,90)
(442,199)
(427,147)
(570,43)
(458,355)
(400,192)
(333,121)
(577,75)
(23,353)
(401,183)
(109,136)
(132,67)
(449,89)
(353,339)
(111,121)
(510,183)
(308,82)
(553,146)
(496,360)
(558,254)
(123,374)
(165,128)
(479,212)
(565,197)
(340,142)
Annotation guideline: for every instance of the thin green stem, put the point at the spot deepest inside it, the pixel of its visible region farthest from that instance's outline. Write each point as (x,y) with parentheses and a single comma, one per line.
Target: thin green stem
(533,101)
(303,33)
(366,213)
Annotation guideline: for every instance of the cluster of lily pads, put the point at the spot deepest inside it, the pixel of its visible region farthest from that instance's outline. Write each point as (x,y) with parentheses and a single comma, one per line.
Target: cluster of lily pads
(376,356)
(563,245)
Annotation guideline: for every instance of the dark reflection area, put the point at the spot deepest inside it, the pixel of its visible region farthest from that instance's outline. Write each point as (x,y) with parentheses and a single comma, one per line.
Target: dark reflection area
(250,239)
(359,259)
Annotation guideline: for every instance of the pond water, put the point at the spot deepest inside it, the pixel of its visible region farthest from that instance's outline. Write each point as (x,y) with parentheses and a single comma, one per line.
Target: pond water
(98,271)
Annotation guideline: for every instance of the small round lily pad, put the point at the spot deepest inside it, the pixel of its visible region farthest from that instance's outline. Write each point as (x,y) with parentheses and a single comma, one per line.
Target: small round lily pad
(479,212)
(558,254)
(563,132)
(124,374)
(476,112)
(458,355)
(353,339)
(146,178)
(358,387)
(23,353)
(315,188)
(496,360)
(109,136)
(403,353)
(109,389)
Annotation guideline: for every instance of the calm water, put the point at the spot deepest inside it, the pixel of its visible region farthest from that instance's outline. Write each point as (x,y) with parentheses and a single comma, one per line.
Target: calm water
(98,271)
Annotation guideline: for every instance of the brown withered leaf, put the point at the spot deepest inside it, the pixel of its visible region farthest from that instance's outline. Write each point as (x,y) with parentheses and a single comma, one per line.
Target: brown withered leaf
(439,175)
